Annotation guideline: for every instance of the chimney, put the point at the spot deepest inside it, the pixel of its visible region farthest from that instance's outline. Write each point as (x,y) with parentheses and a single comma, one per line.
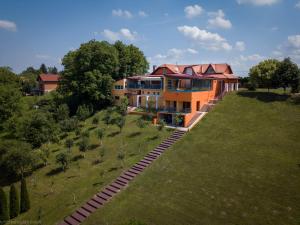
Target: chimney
(153,68)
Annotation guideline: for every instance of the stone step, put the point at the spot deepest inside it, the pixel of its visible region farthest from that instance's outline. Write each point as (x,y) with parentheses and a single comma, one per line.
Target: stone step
(98,200)
(134,171)
(142,164)
(148,158)
(130,174)
(116,185)
(88,208)
(126,177)
(94,204)
(107,193)
(78,217)
(122,180)
(145,161)
(138,166)
(112,189)
(103,196)
(83,212)
(71,221)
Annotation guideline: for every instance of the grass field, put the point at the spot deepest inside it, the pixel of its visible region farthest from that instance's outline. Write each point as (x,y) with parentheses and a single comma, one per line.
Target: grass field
(239,165)
(55,194)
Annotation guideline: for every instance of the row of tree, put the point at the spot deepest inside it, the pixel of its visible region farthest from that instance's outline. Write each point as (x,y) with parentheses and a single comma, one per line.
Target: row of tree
(16,205)
(272,73)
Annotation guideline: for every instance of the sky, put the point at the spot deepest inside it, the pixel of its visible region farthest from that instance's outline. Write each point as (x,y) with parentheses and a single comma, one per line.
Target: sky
(238,32)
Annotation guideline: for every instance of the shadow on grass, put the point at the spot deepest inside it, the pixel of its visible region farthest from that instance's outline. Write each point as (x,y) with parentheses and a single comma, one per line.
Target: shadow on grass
(93,146)
(54,171)
(264,96)
(134,134)
(113,134)
(97,183)
(152,138)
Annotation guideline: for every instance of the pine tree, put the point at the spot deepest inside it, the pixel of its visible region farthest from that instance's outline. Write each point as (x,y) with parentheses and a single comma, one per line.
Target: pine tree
(14,203)
(4,214)
(25,201)
(43,69)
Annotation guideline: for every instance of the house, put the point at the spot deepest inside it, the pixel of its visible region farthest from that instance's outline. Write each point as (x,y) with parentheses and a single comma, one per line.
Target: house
(178,92)
(48,82)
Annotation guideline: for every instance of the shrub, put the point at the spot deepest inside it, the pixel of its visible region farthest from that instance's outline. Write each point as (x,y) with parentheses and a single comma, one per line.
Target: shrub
(14,202)
(95,120)
(86,134)
(25,201)
(4,214)
(140,123)
(161,125)
(84,144)
(69,125)
(69,143)
(83,112)
(63,159)
(251,86)
(77,131)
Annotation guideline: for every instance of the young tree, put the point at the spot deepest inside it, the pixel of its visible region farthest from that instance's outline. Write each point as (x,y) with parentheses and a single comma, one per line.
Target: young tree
(140,123)
(43,69)
(4,213)
(83,112)
(100,135)
(63,159)
(69,144)
(123,106)
(14,202)
(121,157)
(62,112)
(25,201)
(84,144)
(161,125)
(120,122)
(95,120)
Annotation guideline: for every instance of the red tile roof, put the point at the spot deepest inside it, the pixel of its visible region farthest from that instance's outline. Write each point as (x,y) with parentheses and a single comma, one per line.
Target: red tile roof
(49,77)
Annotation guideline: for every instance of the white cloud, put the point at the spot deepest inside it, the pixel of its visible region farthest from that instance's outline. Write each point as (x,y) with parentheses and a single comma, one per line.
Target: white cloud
(254,57)
(297,5)
(258,2)
(218,20)
(240,46)
(142,13)
(122,13)
(294,41)
(205,39)
(192,11)
(290,48)
(173,55)
(8,25)
(122,34)
(274,28)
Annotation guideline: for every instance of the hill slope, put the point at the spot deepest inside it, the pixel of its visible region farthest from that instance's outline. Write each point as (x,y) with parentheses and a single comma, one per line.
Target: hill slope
(239,165)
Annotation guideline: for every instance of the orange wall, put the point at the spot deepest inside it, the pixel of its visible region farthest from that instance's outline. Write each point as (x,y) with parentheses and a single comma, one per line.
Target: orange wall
(49,86)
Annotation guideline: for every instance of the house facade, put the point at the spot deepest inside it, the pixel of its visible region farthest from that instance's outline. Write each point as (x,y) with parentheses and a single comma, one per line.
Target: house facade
(177,92)
(48,82)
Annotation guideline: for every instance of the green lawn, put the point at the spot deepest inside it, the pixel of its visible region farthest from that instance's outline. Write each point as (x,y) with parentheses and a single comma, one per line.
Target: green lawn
(239,165)
(55,195)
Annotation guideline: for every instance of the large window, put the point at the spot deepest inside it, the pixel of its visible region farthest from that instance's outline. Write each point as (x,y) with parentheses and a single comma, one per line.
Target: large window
(118,87)
(201,85)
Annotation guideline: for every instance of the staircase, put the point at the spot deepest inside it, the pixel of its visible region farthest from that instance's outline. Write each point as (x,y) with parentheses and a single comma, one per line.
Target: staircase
(120,183)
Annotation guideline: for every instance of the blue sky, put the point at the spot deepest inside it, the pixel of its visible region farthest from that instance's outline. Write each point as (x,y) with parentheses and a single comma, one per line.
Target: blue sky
(238,32)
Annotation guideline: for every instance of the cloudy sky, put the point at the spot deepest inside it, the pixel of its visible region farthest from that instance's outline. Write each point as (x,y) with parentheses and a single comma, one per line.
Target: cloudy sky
(238,32)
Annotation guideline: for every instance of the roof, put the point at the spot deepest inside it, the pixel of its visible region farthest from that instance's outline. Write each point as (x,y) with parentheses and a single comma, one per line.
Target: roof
(49,77)
(220,71)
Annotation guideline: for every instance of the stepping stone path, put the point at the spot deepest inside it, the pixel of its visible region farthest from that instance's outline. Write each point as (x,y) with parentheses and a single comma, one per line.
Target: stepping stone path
(120,183)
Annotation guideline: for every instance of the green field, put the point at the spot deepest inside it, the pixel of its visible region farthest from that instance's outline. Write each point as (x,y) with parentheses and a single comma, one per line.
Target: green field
(55,194)
(239,165)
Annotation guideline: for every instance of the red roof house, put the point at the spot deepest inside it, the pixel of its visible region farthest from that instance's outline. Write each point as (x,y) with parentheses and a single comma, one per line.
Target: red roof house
(48,82)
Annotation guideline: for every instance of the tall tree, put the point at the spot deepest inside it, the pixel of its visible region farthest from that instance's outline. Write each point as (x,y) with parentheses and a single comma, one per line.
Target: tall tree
(264,73)
(288,74)
(52,70)
(14,202)
(124,60)
(43,69)
(25,201)
(4,213)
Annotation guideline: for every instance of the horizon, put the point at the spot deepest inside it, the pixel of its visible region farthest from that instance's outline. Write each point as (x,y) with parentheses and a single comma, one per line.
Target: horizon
(238,32)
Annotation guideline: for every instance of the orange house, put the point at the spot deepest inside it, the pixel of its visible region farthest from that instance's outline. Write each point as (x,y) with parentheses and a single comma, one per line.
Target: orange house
(180,92)
(48,82)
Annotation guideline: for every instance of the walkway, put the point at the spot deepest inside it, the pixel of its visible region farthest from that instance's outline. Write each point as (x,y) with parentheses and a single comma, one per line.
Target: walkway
(101,198)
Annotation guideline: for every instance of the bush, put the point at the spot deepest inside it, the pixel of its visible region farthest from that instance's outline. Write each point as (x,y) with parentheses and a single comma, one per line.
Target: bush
(95,120)
(63,159)
(14,202)
(69,125)
(251,86)
(4,214)
(83,112)
(25,202)
(295,98)
(161,125)
(84,144)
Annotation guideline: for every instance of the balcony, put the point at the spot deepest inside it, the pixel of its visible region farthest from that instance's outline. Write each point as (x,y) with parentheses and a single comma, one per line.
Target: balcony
(145,86)
(174,110)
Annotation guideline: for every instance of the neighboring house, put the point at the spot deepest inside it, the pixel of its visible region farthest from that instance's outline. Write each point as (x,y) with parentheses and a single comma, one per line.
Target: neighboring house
(178,90)
(48,82)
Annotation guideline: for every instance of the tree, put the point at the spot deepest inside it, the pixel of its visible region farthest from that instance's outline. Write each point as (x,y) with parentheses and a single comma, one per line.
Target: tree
(62,112)
(95,120)
(123,106)
(124,60)
(69,143)
(14,203)
(4,213)
(25,201)
(43,69)
(83,112)
(52,70)
(29,82)
(88,71)
(140,123)
(63,159)
(18,158)
(161,125)
(39,128)
(120,122)
(138,63)
(10,94)
(264,73)
(100,135)
(121,157)
(288,74)
(84,144)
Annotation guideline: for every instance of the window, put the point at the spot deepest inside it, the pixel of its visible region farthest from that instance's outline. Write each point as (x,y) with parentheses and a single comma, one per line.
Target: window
(210,70)
(189,71)
(169,84)
(117,97)
(118,87)
(201,85)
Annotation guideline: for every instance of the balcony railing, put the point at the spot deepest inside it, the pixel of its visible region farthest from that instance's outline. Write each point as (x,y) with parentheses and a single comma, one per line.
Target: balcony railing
(145,86)
(174,110)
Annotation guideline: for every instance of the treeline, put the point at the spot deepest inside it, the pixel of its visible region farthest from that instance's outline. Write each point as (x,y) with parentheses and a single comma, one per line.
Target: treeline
(28,123)
(273,73)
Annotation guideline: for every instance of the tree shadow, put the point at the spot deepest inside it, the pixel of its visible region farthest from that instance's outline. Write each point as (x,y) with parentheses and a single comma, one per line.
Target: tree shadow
(113,134)
(134,134)
(93,146)
(152,138)
(54,171)
(264,96)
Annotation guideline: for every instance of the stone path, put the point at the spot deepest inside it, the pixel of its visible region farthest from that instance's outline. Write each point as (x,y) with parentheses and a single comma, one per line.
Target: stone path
(120,183)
